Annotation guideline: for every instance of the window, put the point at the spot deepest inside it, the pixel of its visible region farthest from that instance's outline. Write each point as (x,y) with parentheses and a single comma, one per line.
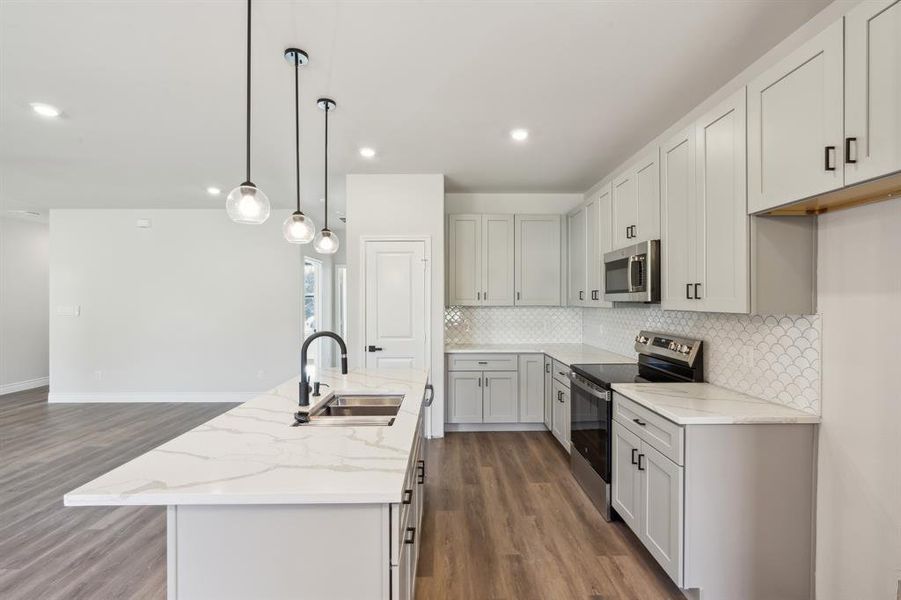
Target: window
(312,307)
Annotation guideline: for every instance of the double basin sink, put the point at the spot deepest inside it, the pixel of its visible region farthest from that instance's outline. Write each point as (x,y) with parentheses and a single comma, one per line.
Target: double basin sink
(355,410)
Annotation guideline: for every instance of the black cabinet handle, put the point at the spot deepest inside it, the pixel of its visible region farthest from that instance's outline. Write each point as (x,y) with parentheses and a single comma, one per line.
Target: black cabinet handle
(634,452)
(478,295)
(640,468)
(421,468)
(412,535)
(688,291)
(829,150)
(483,362)
(408,497)
(581,295)
(547,368)
(374,349)
(484,295)
(848,159)
(627,233)
(517,296)
(697,294)
(639,422)
(480,381)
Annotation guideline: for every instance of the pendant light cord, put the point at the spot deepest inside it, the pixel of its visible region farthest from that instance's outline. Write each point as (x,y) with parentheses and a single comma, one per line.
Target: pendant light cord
(297,124)
(326,163)
(248,90)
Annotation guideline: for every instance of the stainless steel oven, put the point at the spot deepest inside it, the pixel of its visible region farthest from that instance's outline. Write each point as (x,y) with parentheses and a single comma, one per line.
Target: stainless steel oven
(633,274)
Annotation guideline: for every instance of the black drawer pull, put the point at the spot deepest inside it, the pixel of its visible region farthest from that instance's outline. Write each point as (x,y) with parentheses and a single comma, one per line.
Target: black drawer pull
(412,536)
(421,468)
(634,451)
(830,150)
(688,291)
(640,467)
(848,159)
(639,422)
(408,497)
(483,362)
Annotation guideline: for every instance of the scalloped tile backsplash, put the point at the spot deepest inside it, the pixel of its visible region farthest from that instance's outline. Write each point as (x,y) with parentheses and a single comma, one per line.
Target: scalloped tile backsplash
(776,358)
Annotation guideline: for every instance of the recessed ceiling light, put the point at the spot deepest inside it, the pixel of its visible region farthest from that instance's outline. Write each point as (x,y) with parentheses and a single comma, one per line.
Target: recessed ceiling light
(367,152)
(213,191)
(520,135)
(45,110)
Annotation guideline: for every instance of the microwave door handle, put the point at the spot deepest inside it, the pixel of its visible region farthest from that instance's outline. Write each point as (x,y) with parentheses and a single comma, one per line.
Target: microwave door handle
(629,273)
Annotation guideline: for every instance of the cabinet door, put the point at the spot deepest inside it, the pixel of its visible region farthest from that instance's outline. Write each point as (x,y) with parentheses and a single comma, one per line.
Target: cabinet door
(795,124)
(661,516)
(537,260)
(548,392)
(680,221)
(647,197)
(464,233)
(873,90)
(500,389)
(626,484)
(605,239)
(497,260)
(625,209)
(576,257)
(464,396)
(401,584)
(531,388)
(722,221)
(560,424)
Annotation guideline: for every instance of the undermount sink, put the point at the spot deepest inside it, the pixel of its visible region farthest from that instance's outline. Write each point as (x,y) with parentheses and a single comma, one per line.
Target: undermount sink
(355,410)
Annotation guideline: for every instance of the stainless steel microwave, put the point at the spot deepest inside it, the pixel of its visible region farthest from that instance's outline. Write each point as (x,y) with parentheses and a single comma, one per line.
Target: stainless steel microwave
(633,274)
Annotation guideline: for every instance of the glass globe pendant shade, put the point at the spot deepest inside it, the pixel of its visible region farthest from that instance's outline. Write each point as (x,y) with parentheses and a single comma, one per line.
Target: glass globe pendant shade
(247,204)
(326,242)
(299,228)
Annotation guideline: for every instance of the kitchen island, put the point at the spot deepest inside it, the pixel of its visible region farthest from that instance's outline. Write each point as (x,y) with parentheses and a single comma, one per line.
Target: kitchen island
(260,509)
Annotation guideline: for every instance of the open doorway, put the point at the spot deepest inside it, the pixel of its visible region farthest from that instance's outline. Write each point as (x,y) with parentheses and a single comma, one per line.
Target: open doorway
(312,310)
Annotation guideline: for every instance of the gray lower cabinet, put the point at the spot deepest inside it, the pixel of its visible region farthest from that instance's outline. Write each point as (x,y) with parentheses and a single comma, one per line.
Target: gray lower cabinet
(464,396)
(499,397)
(723,508)
(531,388)
(548,391)
(482,397)
(560,413)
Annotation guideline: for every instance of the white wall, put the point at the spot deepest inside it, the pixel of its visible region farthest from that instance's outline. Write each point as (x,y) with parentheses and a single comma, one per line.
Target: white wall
(398,205)
(859,474)
(523,204)
(24,302)
(194,308)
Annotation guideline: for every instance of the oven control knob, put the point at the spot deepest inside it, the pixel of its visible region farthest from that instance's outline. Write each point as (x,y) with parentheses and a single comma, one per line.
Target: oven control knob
(641,339)
(684,349)
(673,346)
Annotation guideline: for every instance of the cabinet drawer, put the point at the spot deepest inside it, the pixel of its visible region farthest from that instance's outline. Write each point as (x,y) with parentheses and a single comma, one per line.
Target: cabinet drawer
(482,362)
(664,435)
(561,372)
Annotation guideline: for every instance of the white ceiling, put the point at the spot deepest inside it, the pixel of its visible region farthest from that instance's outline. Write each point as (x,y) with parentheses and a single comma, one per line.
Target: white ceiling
(153,92)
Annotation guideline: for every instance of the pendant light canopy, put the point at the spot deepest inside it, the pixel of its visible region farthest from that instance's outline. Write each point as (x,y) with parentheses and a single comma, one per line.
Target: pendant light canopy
(247,203)
(326,241)
(297,228)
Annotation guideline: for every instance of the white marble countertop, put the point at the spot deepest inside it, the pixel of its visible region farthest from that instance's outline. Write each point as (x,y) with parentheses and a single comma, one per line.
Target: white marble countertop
(708,404)
(251,454)
(568,354)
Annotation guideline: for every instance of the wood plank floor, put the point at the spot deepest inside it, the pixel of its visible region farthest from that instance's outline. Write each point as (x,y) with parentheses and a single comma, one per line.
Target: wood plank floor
(48,551)
(504,519)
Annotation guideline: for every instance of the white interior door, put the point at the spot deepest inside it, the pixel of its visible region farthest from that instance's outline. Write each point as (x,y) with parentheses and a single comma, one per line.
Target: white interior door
(873,90)
(395,309)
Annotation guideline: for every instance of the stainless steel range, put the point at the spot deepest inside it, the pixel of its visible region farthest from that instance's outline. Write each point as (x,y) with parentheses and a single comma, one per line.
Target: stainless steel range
(661,358)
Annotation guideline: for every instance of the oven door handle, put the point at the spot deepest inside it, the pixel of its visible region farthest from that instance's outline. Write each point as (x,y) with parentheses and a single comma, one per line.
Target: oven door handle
(605,396)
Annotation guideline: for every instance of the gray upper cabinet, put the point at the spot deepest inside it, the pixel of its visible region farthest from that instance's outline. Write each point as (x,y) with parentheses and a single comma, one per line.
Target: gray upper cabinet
(795,118)
(480,260)
(636,202)
(872,90)
(537,260)
(576,244)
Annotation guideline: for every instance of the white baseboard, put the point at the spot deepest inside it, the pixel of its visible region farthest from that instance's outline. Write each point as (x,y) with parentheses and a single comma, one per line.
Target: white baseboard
(495,427)
(73,397)
(20,386)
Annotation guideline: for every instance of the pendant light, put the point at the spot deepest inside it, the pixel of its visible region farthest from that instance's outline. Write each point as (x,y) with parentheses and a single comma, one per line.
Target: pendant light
(247,203)
(298,228)
(326,241)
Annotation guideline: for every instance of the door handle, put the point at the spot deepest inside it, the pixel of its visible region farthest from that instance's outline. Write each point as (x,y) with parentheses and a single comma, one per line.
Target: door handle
(640,467)
(412,535)
(634,452)
(688,291)
(697,294)
(830,150)
(371,348)
(848,159)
